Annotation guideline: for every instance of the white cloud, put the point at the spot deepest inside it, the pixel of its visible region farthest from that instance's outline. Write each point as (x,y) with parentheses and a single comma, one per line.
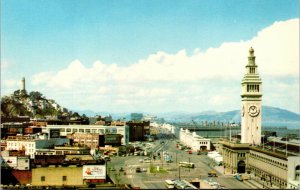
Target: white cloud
(9,86)
(41,78)
(165,82)
(10,83)
(4,64)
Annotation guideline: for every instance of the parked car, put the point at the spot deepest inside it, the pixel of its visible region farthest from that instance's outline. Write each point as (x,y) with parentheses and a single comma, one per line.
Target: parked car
(138,170)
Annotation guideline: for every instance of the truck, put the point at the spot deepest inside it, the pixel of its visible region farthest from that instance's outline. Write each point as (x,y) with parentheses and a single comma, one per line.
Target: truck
(212,173)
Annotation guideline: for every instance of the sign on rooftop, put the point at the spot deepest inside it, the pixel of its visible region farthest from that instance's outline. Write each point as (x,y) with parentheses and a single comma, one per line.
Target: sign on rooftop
(94,172)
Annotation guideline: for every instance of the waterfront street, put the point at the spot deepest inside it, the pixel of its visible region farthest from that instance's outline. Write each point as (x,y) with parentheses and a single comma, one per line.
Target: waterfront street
(153,180)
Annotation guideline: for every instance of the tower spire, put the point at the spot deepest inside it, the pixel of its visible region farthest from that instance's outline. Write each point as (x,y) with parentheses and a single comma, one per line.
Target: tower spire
(251,103)
(251,58)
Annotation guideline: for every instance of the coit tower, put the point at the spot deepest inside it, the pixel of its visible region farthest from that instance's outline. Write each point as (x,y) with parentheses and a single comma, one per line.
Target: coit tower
(251,103)
(22,85)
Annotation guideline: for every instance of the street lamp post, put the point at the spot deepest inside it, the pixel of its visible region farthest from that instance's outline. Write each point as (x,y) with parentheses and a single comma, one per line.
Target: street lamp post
(162,159)
(106,169)
(189,164)
(179,171)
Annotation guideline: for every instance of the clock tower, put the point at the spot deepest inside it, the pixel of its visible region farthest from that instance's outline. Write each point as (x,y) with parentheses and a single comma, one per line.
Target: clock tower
(251,103)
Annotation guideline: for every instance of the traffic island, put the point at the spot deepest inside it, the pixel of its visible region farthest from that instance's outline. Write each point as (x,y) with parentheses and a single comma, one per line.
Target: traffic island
(157,169)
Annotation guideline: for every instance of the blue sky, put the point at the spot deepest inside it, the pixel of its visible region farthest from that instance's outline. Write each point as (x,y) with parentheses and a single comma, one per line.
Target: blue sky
(49,35)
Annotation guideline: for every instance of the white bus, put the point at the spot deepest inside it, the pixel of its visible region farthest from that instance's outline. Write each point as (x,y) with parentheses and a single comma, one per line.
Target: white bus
(169,184)
(187,164)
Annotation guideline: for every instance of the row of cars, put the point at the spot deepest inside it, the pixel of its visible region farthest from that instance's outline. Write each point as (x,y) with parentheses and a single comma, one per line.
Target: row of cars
(145,160)
(185,148)
(241,177)
(142,148)
(213,184)
(178,184)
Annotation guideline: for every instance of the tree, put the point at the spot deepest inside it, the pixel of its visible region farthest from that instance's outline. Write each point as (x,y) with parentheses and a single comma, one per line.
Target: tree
(75,114)
(12,107)
(35,95)
(17,93)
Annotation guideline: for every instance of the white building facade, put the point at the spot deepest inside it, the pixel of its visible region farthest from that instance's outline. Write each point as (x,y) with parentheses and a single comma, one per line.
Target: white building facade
(22,144)
(196,142)
(96,129)
(293,173)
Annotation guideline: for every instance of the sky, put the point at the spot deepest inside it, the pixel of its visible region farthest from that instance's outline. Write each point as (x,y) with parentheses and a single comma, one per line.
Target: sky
(150,56)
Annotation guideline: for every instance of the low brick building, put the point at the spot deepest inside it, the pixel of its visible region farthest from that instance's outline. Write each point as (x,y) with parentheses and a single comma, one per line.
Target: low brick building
(68,171)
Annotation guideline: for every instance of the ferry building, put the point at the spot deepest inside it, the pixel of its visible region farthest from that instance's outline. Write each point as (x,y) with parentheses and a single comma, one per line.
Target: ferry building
(271,168)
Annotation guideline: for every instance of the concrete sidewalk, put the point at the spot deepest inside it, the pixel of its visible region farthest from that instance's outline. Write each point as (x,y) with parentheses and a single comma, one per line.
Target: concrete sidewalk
(261,185)
(252,182)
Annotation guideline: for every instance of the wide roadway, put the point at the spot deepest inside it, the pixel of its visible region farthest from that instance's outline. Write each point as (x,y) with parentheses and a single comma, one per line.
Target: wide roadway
(147,180)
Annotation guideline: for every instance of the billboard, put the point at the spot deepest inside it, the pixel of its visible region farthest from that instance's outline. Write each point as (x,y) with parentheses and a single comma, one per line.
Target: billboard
(112,139)
(54,133)
(94,172)
(10,161)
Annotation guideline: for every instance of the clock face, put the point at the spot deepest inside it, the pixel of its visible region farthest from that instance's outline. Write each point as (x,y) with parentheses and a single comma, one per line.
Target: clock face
(253,111)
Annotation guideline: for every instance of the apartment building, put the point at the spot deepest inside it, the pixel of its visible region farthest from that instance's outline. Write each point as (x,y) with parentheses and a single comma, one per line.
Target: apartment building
(91,129)
(25,143)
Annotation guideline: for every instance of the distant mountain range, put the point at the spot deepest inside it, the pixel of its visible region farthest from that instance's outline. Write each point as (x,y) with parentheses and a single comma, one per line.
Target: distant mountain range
(271,116)
(268,114)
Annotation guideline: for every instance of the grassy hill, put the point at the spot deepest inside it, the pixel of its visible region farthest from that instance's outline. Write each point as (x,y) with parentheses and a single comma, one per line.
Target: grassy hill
(34,104)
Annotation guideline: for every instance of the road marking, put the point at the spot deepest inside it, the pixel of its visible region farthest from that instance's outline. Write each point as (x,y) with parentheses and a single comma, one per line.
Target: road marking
(132,166)
(153,181)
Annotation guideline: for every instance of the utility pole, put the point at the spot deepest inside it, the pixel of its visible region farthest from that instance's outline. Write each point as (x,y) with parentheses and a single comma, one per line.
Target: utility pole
(229,133)
(162,160)
(179,172)
(106,169)
(274,144)
(189,163)
(286,145)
